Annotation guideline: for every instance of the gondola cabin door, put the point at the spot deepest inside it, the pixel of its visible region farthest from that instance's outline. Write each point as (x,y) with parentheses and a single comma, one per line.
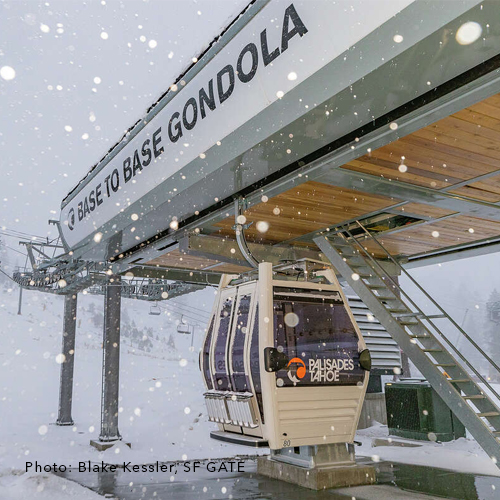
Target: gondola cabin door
(233,384)
(313,382)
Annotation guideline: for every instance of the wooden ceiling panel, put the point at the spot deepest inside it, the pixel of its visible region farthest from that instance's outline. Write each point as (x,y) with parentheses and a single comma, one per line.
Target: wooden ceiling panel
(455,149)
(177,259)
(424,210)
(478,193)
(486,190)
(452,231)
(306,208)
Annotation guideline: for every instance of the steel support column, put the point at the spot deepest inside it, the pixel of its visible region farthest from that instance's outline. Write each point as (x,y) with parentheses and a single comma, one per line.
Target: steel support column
(68,360)
(111,361)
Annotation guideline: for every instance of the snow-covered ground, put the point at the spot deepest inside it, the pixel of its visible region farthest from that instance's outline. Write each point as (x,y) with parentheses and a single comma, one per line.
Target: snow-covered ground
(42,486)
(162,412)
(462,455)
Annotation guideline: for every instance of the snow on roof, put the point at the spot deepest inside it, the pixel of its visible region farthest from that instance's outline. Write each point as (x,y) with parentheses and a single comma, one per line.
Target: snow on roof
(129,131)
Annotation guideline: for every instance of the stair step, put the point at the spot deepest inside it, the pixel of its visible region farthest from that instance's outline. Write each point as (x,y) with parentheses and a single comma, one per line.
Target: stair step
(488,414)
(421,315)
(398,310)
(459,380)
(408,323)
(445,365)
(432,350)
(376,287)
(362,265)
(420,336)
(475,396)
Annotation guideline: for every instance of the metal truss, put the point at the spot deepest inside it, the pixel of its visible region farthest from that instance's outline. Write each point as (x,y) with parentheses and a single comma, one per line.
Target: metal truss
(148,289)
(62,275)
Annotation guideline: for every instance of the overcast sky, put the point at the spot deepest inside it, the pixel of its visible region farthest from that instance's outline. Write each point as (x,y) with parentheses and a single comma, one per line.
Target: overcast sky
(85,71)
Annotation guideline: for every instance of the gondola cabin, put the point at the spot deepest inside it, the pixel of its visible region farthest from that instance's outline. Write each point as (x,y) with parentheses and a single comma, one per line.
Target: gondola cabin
(283,361)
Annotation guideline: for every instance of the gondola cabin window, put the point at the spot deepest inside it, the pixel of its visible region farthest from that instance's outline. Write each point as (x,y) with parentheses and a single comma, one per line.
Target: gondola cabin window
(240,332)
(318,337)
(221,376)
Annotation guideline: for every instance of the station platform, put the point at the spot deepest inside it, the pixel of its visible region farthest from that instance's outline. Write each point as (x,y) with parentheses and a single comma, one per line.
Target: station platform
(394,482)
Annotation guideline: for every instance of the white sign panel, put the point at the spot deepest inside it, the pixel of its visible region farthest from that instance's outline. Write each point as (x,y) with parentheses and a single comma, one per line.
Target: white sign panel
(284,44)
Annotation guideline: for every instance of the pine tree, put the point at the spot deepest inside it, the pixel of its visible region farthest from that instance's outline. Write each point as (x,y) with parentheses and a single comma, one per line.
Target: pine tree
(171,342)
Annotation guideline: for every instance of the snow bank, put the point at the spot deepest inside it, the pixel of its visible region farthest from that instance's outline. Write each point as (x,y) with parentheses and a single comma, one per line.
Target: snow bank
(42,486)
(462,455)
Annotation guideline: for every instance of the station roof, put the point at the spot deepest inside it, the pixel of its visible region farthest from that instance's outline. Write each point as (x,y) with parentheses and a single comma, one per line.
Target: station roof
(458,155)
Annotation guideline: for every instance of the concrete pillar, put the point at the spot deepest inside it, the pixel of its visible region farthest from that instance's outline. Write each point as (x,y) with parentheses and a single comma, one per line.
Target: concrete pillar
(111,361)
(67,365)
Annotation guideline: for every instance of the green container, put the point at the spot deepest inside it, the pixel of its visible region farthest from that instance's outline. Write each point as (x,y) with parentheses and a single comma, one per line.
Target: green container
(415,411)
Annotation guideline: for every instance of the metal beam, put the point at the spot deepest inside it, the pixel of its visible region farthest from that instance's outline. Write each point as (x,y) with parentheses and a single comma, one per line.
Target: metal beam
(111,362)
(456,252)
(398,190)
(227,250)
(68,360)
(176,274)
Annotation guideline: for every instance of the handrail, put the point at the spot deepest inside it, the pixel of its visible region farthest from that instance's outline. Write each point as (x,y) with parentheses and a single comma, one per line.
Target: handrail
(460,355)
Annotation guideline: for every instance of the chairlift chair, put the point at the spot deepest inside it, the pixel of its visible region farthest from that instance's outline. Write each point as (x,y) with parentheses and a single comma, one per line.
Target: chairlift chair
(183,328)
(155,310)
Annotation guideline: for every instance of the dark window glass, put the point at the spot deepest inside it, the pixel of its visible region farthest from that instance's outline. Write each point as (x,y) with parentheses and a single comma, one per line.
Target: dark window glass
(320,342)
(238,366)
(221,375)
(206,354)
(254,363)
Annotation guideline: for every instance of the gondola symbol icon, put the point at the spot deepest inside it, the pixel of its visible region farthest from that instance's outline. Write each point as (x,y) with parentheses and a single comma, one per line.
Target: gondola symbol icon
(300,370)
(71,219)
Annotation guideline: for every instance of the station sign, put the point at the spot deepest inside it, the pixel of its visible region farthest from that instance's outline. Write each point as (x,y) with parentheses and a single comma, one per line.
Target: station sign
(282,45)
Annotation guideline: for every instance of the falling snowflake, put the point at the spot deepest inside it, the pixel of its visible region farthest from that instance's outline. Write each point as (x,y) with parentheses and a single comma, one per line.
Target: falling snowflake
(262,226)
(291,319)
(60,359)
(468,33)
(7,73)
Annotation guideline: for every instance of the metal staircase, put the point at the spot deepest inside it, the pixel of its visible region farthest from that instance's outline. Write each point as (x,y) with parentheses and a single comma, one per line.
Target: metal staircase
(471,397)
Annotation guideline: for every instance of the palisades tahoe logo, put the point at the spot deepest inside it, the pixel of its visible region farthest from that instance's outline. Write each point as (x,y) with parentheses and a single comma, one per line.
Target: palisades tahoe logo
(328,370)
(296,369)
(320,370)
